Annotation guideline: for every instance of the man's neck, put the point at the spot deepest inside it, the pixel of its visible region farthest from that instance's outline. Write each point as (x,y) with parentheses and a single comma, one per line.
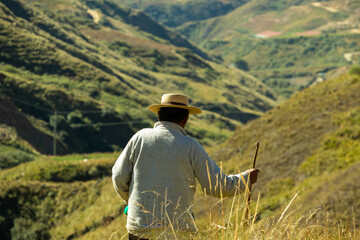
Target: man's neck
(181,124)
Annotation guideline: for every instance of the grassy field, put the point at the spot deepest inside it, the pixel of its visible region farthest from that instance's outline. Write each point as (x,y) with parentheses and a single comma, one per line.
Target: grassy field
(89,208)
(308,144)
(83,66)
(307,188)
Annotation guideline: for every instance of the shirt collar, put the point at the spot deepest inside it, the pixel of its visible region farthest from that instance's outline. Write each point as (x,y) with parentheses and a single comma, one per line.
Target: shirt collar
(170,126)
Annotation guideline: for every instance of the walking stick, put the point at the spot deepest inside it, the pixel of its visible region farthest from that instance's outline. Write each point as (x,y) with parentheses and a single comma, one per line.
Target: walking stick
(247,213)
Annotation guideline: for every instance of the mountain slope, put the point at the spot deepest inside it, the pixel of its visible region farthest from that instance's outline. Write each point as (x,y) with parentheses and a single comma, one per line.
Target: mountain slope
(60,198)
(145,23)
(289,19)
(308,144)
(287,44)
(176,13)
(91,67)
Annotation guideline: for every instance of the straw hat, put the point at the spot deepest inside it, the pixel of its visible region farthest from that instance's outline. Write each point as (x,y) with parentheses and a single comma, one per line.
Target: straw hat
(175,100)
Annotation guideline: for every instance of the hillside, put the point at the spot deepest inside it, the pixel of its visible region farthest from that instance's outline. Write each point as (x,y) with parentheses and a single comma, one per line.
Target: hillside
(175,13)
(309,144)
(83,72)
(268,19)
(76,77)
(300,42)
(60,198)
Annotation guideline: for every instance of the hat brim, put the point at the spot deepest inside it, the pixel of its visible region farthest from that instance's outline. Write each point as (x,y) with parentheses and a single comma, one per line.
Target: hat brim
(155,108)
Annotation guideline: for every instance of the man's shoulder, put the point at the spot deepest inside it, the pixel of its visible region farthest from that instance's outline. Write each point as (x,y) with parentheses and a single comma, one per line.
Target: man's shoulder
(147,132)
(143,131)
(192,141)
(140,133)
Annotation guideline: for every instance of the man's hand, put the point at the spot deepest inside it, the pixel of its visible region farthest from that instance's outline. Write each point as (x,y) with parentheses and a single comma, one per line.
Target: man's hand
(253,173)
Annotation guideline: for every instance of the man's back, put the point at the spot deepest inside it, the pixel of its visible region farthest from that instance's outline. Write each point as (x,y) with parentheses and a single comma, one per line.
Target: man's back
(155,174)
(162,183)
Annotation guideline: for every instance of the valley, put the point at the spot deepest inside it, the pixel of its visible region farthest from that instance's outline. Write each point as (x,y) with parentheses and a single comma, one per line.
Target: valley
(76,78)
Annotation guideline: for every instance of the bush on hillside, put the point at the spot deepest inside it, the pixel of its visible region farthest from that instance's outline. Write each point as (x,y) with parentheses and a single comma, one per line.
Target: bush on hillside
(13,158)
(66,171)
(241,64)
(355,70)
(95,94)
(27,229)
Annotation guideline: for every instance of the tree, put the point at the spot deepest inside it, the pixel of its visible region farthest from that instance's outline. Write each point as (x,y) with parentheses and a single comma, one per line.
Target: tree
(241,64)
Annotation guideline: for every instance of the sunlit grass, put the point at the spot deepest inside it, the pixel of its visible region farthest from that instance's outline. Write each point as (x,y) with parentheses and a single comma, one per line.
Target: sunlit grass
(226,219)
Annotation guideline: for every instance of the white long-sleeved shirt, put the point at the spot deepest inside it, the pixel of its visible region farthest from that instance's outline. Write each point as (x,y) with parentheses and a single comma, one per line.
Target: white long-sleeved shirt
(155,175)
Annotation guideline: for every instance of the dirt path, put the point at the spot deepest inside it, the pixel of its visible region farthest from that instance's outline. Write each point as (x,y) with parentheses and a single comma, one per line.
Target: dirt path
(319,4)
(349,56)
(94,14)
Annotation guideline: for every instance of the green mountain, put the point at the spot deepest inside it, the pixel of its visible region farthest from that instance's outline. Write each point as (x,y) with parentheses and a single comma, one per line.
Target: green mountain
(76,77)
(289,45)
(309,144)
(83,72)
(175,13)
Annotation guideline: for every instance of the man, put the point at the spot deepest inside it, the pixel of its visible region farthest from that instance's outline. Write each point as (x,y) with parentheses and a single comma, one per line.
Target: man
(156,174)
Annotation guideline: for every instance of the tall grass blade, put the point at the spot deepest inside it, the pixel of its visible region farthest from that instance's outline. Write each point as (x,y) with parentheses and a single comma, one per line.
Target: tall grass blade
(282,215)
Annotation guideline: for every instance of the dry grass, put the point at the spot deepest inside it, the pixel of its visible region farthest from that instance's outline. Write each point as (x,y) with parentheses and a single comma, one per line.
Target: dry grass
(238,218)
(227,219)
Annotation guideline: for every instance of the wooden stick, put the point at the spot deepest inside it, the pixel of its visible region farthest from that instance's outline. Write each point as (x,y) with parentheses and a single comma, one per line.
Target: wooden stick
(247,214)
(256,153)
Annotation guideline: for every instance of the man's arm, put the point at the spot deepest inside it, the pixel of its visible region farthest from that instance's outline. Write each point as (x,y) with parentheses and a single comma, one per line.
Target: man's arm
(212,178)
(121,172)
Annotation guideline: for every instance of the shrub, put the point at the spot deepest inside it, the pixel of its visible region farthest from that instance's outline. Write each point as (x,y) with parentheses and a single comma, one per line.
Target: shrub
(355,70)
(94,94)
(13,158)
(27,229)
(241,64)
